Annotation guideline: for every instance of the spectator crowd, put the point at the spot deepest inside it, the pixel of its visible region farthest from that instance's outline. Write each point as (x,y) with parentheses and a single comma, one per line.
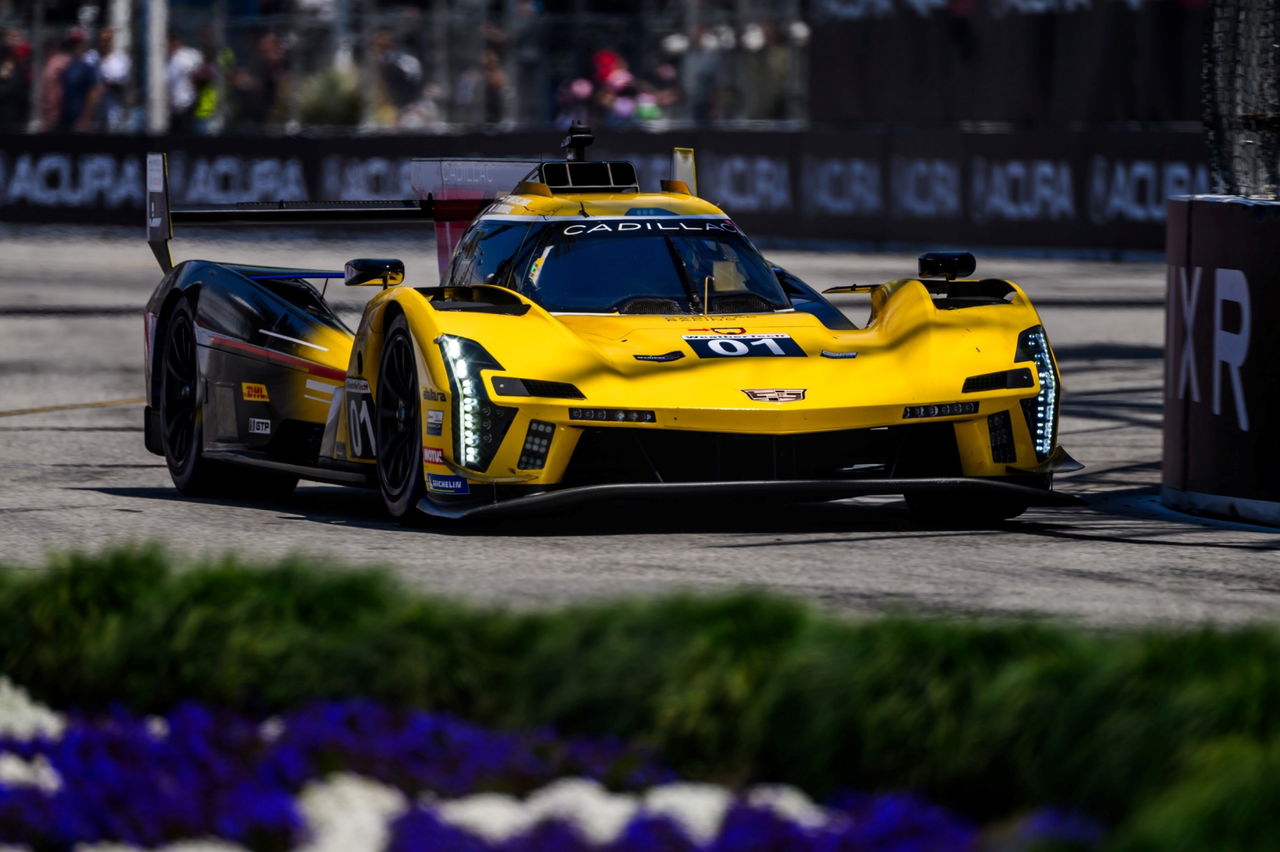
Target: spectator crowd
(404,70)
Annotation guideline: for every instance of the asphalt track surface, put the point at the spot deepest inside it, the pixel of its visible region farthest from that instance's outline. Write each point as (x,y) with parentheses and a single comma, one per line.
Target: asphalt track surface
(75,474)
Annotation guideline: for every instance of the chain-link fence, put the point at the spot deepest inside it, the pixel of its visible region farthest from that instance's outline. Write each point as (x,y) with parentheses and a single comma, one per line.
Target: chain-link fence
(1242,97)
(269,66)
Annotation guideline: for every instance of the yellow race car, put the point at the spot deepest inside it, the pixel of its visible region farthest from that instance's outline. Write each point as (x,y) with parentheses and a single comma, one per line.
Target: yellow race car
(588,340)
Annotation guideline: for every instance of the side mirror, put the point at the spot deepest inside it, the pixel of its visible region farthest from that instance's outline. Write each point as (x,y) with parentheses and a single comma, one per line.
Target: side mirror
(947,264)
(373,270)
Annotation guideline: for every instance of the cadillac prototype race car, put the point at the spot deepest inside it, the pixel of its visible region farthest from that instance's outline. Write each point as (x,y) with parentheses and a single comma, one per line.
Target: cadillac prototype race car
(589,340)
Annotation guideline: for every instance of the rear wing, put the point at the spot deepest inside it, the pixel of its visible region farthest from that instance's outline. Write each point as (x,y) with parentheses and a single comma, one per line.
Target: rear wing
(450,194)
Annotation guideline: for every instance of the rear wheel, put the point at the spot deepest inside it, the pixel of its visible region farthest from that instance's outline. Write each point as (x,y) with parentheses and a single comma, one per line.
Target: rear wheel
(182,424)
(181,415)
(398,426)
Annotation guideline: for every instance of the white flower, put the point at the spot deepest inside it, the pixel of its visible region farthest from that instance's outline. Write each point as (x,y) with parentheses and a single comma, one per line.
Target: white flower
(158,727)
(204,844)
(698,808)
(37,773)
(600,815)
(492,816)
(271,729)
(24,719)
(789,803)
(348,813)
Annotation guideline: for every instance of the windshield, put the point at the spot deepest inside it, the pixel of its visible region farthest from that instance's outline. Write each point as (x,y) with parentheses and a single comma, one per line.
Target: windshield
(643,265)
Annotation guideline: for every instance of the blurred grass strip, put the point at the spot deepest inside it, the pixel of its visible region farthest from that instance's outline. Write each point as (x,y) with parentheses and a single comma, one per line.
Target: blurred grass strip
(1173,736)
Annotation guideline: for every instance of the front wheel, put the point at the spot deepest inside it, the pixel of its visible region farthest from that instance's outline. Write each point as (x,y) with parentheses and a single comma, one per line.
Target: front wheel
(398,427)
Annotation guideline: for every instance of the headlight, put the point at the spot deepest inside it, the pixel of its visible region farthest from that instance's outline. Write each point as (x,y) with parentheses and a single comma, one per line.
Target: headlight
(478,425)
(1041,410)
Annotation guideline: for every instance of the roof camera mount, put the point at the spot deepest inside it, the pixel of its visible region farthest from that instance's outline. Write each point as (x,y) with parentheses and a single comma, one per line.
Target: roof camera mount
(576,142)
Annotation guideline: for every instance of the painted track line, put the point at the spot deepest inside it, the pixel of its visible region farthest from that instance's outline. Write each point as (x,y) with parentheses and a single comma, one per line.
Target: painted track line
(45,409)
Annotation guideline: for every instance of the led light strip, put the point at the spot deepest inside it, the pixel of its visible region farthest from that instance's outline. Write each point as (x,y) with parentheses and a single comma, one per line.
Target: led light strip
(468,421)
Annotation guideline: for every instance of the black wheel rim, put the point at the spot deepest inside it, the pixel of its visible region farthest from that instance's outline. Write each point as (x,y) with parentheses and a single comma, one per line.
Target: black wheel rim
(399,436)
(178,416)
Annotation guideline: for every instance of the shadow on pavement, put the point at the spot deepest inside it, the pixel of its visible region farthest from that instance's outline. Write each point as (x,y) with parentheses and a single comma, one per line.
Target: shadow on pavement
(363,510)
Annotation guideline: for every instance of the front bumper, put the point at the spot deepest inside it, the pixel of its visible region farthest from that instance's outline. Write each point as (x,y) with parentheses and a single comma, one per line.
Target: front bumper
(796,491)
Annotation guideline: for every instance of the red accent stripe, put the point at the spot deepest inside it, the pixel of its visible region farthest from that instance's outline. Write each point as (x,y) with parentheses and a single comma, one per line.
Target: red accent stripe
(271,355)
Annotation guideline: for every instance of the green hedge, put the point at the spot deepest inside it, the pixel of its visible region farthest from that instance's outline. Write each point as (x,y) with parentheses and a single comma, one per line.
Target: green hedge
(1171,736)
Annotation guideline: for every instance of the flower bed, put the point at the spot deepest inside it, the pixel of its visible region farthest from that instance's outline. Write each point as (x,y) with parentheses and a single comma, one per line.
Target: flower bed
(354,775)
(1167,735)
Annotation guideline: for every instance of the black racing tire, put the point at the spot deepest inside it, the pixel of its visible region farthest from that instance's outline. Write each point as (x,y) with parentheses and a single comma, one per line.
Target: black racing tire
(398,426)
(182,424)
(181,415)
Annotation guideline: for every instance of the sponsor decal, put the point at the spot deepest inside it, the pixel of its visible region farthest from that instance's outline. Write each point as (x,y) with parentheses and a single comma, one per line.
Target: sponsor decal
(744,346)
(666,356)
(838,186)
(447,484)
(1135,190)
(432,455)
(73,180)
(434,396)
(698,225)
(435,421)
(357,386)
(259,426)
(700,318)
(253,392)
(747,183)
(776,394)
(925,188)
(732,330)
(323,388)
(155,175)
(1021,190)
(364,442)
(1229,339)
(230,178)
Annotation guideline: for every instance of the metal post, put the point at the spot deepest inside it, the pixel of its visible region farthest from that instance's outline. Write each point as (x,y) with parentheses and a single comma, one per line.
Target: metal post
(157,58)
(121,20)
(37,63)
(688,78)
(343,55)
(367,69)
(442,74)
(512,95)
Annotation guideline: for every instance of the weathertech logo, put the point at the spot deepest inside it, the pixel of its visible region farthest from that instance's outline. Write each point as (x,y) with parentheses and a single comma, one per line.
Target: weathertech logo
(775,394)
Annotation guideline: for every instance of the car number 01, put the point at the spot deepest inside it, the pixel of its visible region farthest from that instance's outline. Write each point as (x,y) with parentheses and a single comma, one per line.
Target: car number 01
(744,346)
(360,427)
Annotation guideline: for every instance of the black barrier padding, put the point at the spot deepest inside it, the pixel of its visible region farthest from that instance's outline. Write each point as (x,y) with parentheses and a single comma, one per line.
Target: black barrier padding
(940,190)
(1222,388)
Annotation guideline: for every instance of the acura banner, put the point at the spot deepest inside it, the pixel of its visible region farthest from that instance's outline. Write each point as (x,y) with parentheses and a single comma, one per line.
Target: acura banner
(1104,191)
